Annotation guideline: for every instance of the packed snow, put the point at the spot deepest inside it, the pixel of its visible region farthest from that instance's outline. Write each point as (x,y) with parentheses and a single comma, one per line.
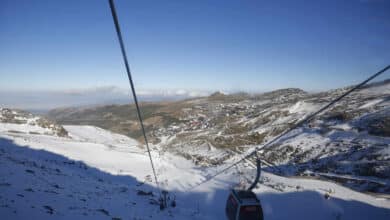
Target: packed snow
(371,103)
(303,106)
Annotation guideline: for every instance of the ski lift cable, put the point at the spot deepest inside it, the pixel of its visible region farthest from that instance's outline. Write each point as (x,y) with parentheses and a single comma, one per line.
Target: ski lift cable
(303,121)
(119,35)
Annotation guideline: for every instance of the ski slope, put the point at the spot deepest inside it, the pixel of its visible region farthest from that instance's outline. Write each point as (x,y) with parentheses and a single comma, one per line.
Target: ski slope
(96,174)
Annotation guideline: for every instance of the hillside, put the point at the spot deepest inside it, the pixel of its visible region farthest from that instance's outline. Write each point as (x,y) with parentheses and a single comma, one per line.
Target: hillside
(347,144)
(18,121)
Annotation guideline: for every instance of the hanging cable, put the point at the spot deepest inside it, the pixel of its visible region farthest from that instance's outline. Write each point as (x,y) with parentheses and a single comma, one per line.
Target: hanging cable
(119,34)
(303,121)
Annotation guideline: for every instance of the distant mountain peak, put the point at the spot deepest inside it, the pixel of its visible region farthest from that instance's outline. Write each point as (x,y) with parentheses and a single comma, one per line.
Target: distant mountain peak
(218,94)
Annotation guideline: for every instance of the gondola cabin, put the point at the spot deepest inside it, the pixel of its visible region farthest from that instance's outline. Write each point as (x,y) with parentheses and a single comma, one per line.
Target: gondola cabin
(243,205)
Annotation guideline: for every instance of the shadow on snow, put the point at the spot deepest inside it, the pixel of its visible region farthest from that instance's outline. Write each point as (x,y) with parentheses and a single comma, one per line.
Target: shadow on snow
(200,205)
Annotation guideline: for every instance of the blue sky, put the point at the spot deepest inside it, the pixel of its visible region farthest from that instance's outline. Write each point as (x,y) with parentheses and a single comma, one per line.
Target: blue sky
(192,45)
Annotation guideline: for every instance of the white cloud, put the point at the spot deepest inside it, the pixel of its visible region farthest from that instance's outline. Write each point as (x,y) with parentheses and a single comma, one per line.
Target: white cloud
(90,96)
(100,89)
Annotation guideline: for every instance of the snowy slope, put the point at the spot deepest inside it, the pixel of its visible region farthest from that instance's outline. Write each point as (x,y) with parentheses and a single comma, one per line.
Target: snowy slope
(96,174)
(347,143)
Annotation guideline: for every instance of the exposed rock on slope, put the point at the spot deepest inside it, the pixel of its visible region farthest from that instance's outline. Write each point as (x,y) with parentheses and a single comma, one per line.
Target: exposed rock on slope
(21,121)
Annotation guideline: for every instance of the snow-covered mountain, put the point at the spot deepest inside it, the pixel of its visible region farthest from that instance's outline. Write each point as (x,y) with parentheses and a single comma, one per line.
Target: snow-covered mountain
(348,144)
(96,174)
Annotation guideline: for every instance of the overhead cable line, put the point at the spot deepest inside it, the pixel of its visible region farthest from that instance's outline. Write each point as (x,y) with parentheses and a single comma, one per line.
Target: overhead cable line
(303,121)
(119,34)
